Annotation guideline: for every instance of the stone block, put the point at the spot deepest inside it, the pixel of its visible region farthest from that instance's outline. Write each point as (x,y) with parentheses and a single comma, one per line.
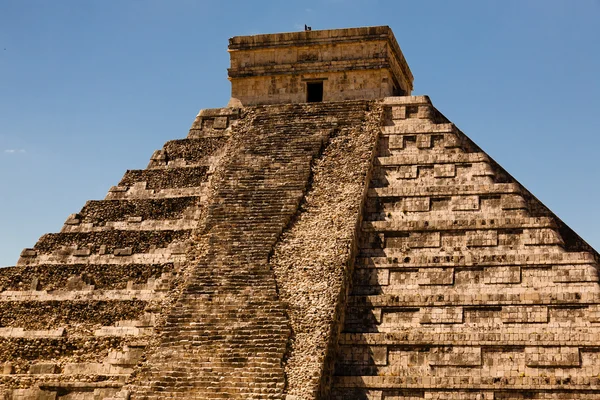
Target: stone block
(436,276)
(82,252)
(498,275)
(451,140)
(399,112)
(48,333)
(126,251)
(465,203)
(76,282)
(533,237)
(416,204)
(423,141)
(43,368)
(513,202)
(372,277)
(415,240)
(111,394)
(552,357)
(524,315)
(441,315)
(33,394)
(575,273)
(8,368)
(220,123)
(73,219)
(35,284)
(364,355)
(158,155)
(482,238)
(120,331)
(129,357)
(482,169)
(396,142)
(86,368)
(444,170)
(11,332)
(424,239)
(425,111)
(407,172)
(27,253)
(379,354)
(147,320)
(455,357)
(457,395)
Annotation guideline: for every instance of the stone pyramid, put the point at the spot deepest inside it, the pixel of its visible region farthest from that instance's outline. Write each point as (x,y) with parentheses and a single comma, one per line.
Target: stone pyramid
(326,236)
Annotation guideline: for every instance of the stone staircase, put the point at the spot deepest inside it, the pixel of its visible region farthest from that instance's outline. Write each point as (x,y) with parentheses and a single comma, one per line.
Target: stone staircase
(465,286)
(227,335)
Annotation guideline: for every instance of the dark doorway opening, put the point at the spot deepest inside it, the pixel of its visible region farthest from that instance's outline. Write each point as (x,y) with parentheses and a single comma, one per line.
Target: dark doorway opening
(314,92)
(398,91)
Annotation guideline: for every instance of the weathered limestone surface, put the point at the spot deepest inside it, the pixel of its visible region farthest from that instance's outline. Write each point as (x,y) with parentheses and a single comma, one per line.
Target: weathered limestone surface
(465,286)
(355,63)
(361,250)
(233,282)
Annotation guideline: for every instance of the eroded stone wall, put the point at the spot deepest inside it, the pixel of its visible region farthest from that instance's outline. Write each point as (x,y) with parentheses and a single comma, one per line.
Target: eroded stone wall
(464,287)
(337,86)
(353,64)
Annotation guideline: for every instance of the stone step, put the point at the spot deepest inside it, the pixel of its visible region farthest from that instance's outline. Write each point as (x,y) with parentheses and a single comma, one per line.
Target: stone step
(416,127)
(418,190)
(187,152)
(117,242)
(78,317)
(176,252)
(431,159)
(99,213)
(83,295)
(478,173)
(140,192)
(441,296)
(166,178)
(23,348)
(477,224)
(492,318)
(466,335)
(480,258)
(79,276)
(472,382)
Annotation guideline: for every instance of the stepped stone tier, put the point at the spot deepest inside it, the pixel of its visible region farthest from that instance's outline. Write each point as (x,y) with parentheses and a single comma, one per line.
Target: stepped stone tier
(361,249)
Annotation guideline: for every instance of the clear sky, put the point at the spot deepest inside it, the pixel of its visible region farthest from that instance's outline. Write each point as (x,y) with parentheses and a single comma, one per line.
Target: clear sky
(91,88)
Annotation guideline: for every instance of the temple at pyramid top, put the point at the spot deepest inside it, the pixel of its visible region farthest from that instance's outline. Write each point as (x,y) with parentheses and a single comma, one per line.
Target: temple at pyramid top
(313,66)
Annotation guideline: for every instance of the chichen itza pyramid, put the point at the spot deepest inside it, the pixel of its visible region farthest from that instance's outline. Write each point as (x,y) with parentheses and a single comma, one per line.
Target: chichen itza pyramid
(325,236)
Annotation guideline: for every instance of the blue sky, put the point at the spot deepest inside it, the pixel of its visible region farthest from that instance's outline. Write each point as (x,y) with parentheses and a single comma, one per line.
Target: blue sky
(90,88)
